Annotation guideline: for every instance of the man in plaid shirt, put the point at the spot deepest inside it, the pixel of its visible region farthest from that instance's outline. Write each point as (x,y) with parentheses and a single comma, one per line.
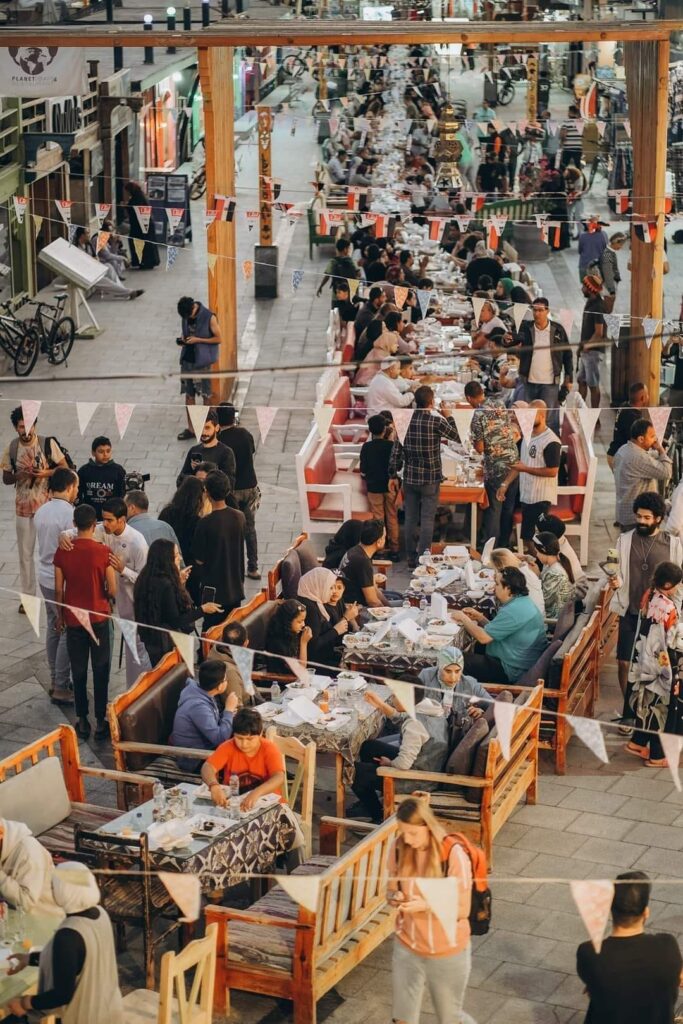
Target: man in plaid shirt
(420,458)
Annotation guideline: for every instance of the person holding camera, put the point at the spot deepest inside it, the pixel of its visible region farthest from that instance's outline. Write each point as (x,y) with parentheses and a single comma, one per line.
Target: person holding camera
(200,341)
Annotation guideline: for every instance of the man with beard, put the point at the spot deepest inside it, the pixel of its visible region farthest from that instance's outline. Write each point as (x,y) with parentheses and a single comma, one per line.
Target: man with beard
(210,449)
(638,466)
(640,552)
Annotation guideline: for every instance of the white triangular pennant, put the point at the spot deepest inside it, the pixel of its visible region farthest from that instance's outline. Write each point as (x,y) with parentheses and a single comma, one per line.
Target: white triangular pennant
(405,692)
(659,417)
(650,325)
(566,318)
(303,889)
(143,214)
(265,414)
(31,605)
(593,901)
(84,619)
(424,297)
(186,891)
(184,643)
(590,733)
(64,207)
(526,419)
(402,418)
(477,305)
(504,716)
(175,214)
(85,412)
(20,205)
(129,632)
(441,896)
(198,415)
(324,414)
(613,324)
(588,418)
(102,212)
(519,311)
(30,407)
(463,421)
(298,670)
(671,745)
(122,414)
(244,660)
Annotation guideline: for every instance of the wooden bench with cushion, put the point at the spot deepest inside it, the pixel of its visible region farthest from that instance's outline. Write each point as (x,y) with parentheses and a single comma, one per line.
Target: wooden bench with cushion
(314,236)
(609,624)
(283,950)
(43,785)
(501,784)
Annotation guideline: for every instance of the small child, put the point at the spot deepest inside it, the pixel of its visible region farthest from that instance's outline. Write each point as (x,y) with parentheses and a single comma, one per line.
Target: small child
(374,468)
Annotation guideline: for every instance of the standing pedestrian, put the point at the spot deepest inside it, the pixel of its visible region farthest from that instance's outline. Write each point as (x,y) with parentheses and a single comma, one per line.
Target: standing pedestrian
(150,254)
(493,436)
(218,551)
(592,244)
(128,554)
(638,467)
(537,470)
(51,519)
(84,579)
(211,450)
(101,477)
(201,338)
(592,340)
(570,140)
(140,518)
(420,458)
(635,977)
(609,268)
(545,355)
(183,513)
(629,412)
(424,954)
(27,463)
(246,493)
(374,469)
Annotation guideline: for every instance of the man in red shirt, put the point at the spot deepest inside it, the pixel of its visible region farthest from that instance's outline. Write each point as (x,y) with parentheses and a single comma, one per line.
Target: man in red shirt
(256,761)
(84,579)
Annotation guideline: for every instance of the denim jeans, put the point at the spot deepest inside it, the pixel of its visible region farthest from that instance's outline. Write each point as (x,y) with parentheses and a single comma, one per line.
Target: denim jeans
(82,647)
(548,393)
(55,644)
(248,501)
(420,506)
(497,519)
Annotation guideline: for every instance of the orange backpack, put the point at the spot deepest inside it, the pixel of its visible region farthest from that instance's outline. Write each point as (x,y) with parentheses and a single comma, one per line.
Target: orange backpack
(480,909)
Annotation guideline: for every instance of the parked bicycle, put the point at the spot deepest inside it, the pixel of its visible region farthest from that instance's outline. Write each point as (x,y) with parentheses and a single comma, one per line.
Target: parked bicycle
(505,87)
(294,64)
(55,332)
(19,340)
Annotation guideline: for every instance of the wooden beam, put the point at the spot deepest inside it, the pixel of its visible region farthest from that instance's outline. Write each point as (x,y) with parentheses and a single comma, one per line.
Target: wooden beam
(647,78)
(266,189)
(215,75)
(342,33)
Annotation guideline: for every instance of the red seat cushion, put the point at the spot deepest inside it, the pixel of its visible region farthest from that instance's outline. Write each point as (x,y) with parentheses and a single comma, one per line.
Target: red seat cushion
(577,471)
(331,507)
(340,398)
(320,470)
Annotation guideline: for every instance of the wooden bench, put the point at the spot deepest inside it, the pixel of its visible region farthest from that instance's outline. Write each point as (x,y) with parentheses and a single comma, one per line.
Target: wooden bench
(609,624)
(314,236)
(43,785)
(502,785)
(344,426)
(280,949)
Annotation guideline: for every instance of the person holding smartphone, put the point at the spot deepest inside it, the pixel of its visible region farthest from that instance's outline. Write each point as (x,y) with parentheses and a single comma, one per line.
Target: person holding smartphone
(162,600)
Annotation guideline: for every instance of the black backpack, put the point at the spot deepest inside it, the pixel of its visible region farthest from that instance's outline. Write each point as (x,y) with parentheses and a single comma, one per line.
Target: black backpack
(45,444)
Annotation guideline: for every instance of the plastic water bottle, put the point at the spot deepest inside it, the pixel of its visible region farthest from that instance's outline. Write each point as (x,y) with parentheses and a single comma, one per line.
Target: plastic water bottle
(423,611)
(406,602)
(275,693)
(159,800)
(234,803)
(447,702)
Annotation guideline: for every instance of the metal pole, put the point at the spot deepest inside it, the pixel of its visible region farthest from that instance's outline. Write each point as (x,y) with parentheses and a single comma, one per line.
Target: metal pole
(170,25)
(118,58)
(148,25)
(225,8)
(187,18)
(206,13)
(109,5)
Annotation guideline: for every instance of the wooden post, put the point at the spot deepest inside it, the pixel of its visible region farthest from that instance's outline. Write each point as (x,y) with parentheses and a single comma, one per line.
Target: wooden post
(215,75)
(532,87)
(266,191)
(647,75)
(322,73)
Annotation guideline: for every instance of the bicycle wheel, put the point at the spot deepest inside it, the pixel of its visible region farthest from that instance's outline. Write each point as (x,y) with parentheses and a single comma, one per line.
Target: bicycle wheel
(61,341)
(198,186)
(26,354)
(506,91)
(293,65)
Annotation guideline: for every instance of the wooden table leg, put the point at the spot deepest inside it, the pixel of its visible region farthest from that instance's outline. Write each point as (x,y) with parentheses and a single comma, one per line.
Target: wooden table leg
(474,508)
(340,793)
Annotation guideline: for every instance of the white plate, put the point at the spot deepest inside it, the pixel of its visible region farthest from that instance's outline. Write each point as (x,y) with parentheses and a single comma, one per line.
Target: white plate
(380,613)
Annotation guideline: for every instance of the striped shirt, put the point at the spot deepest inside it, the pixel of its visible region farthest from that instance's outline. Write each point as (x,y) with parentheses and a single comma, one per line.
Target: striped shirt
(571,136)
(537,453)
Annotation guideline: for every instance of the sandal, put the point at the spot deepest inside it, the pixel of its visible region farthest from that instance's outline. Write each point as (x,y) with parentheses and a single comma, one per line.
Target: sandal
(635,751)
(661,763)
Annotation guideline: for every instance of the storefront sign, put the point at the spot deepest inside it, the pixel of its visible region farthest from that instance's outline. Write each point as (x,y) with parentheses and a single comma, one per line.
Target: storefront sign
(38,71)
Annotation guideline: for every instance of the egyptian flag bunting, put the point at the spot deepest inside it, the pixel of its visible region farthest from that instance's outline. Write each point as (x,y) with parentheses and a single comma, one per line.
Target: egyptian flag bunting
(271,189)
(646,231)
(463,224)
(64,207)
(283,207)
(475,199)
(622,198)
(209,217)
(495,227)
(225,207)
(175,214)
(143,214)
(20,205)
(252,217)
(330,219)
(353,197)
(102,212)
(380,220)
(436,228)
(556,227)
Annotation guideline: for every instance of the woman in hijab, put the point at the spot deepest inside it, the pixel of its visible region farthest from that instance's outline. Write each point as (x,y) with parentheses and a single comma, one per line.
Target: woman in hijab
(316,589)
(384,345)
(347,536)
(150,255)
(503,291)
(78,973)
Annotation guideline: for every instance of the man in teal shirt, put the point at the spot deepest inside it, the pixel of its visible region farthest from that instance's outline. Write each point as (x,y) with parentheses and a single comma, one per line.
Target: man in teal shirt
(514,639)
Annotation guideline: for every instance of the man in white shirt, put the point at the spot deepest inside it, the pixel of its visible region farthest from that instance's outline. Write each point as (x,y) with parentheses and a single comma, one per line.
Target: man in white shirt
(384,392)
(544,357)
(50,520)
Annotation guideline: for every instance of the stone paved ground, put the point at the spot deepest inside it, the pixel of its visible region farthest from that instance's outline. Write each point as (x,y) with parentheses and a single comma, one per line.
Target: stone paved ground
(594,822)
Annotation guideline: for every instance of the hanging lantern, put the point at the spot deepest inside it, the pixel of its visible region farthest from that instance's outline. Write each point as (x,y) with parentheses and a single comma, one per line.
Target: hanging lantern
(449,150)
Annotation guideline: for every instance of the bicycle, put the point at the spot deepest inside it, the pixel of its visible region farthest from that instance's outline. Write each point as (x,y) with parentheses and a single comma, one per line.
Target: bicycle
(505,88)
(294,64)
(19,340)
(55,332)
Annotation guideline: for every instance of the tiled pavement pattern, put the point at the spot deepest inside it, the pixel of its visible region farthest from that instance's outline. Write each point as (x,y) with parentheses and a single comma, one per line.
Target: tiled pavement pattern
(595,822)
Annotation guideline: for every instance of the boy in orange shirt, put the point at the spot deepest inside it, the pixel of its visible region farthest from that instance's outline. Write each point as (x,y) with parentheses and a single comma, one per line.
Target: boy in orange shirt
(256,761)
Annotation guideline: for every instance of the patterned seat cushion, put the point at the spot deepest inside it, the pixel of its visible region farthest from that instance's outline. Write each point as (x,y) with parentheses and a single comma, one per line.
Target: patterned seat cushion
(263,944)
(60,838)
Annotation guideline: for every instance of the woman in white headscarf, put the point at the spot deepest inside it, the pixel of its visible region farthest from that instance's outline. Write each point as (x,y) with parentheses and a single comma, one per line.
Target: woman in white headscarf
(315,591)
(78,975)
